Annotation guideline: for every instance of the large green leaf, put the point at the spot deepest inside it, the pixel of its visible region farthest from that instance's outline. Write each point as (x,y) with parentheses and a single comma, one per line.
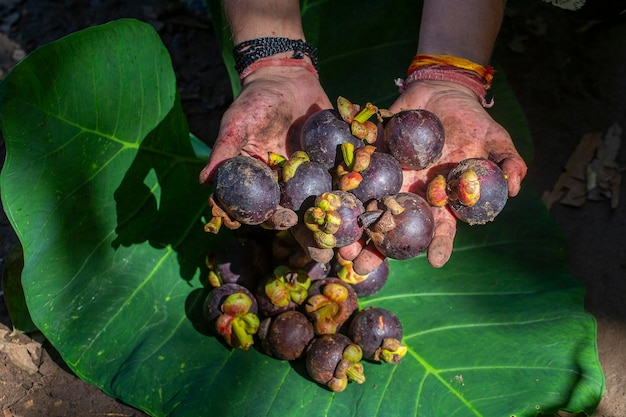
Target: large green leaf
(100,183)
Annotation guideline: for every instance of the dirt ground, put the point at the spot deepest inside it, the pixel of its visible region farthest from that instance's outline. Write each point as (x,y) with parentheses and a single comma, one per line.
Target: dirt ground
(567,73)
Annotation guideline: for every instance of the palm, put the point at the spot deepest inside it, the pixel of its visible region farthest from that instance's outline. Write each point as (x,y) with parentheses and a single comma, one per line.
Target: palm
(267,116)
(469,133)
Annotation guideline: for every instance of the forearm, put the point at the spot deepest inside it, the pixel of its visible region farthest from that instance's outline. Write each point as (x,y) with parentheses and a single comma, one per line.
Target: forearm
(463,28)
(250,19)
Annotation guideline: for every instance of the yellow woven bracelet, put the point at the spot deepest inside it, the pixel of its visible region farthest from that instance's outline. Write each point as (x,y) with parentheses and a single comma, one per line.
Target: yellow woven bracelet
(421,60)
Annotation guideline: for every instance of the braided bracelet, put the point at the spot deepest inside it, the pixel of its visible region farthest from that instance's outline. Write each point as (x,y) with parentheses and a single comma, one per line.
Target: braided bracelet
(450,68)
(248,52)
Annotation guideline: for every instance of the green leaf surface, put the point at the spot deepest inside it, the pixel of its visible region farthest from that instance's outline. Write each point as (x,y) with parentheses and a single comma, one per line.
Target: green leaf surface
(100,183)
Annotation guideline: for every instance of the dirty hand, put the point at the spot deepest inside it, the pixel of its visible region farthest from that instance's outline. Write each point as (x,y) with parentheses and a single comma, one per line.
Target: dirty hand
(470,133)
(267,115)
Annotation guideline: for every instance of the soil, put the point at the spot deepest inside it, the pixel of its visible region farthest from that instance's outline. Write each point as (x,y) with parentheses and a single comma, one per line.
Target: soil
(566,71)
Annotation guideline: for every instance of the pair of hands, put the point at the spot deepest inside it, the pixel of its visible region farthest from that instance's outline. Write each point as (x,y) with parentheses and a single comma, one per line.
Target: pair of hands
(275,102)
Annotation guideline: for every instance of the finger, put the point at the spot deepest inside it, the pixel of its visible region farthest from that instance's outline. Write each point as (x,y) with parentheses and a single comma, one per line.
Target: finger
(222,150)
(440,248)
(367,260)
(352,250)
(503,152)
(515,170)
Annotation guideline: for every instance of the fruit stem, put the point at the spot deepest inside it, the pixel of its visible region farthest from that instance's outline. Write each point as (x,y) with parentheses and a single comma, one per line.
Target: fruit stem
(347,152)
(392,204)
(213,225)
(369,217)
(356,373)
(351,365)
(243,328)
(366,112)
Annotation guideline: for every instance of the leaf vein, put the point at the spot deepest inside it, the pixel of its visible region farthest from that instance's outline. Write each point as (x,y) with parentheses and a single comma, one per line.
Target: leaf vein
(126,303)
(494,324)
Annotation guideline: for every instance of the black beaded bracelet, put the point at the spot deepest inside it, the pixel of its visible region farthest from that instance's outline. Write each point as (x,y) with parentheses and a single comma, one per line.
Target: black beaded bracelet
(247,52)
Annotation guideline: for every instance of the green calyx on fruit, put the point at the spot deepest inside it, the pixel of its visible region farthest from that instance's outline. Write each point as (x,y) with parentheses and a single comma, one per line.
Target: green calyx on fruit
(354,162)
(287,285)
(324,309)
(328,201)
(275,160)
(368,131)
(322,312)
(324,220)
(214,279)
(237,325)
(436,193)
(348,369)
(347,273)
(362,127)
(238,331)
(465,189)
(290,166)
(236,304)
(359,118)
(391,351)
(335,292)
(347,110)
(350,181)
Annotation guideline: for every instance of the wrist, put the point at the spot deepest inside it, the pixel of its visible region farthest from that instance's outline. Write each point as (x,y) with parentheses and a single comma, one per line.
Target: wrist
(251,19)
(428,90)
(277,66)
(248,52)
(254,54)
(446,68)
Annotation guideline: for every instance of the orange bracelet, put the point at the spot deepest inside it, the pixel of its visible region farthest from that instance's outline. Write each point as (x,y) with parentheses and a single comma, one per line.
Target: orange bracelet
(450,68)
(421,60)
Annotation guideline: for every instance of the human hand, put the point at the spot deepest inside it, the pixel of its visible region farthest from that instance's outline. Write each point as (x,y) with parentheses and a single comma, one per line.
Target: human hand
(470,133)
(267,115)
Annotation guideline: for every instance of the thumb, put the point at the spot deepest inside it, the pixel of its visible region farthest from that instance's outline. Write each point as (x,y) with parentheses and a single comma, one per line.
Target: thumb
(222,150)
